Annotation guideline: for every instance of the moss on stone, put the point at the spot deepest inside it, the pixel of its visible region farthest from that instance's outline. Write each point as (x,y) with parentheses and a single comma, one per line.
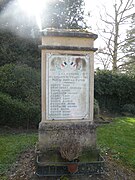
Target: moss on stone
(89,155)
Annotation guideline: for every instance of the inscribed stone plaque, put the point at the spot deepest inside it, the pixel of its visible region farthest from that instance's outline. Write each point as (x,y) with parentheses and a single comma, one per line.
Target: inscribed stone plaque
(67,81)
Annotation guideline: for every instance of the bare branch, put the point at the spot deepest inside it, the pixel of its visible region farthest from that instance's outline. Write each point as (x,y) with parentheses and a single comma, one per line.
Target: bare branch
(107,14)
(120,58)
(128,6)
(126,17)
(111,32)
(126,63)
(121,2)
(105,53)
(121,42)
(104,61)
(107,22)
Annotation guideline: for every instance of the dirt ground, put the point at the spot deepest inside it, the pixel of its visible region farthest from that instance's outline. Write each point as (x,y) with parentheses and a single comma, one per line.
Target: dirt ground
(24,169)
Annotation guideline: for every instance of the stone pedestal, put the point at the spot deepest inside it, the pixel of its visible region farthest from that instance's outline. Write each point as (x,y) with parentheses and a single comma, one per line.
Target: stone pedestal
(53,135)
(67,89)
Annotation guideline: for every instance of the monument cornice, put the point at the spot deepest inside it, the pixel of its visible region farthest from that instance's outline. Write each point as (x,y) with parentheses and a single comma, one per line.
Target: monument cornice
(69,33)
(73,48)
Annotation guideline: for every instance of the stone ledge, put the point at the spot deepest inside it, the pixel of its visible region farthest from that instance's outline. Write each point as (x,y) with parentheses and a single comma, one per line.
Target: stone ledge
(73,48)
(55,126)
(53,134)
(69,33)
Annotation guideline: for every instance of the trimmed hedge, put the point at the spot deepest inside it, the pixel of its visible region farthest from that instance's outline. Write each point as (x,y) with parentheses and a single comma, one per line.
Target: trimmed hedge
(129,109)
(20,82)
(18,50)
(20,94)
(114,90)
(15,113)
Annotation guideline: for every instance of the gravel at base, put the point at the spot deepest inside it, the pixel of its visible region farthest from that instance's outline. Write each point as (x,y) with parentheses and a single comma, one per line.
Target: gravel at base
(24,169)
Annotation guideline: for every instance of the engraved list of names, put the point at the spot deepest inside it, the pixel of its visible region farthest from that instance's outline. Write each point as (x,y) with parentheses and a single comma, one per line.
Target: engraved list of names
(67,81)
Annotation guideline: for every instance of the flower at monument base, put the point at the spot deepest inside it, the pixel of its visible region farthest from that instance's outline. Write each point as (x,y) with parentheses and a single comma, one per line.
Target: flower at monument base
(70,150)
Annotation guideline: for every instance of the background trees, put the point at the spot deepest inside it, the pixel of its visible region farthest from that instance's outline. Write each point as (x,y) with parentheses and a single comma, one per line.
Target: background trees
(115,91)
(18,50)
(65,14)
(20,57)
(54,14)
(129,48)
(20,82)
(113,35)
(19,96)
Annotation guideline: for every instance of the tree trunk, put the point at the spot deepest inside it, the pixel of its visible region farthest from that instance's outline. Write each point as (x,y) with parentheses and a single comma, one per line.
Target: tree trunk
(116,35)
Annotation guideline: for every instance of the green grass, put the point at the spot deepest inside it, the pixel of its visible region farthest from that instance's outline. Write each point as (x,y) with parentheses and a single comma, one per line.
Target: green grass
(118,139)
(11,145)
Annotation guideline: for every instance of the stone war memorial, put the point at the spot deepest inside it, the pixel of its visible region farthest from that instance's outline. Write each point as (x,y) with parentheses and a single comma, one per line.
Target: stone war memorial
(67,134)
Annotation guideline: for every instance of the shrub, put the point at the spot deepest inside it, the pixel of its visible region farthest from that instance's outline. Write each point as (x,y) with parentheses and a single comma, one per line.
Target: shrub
(129,108)
(113,90)
(14,49)
(15,113)
(21,82)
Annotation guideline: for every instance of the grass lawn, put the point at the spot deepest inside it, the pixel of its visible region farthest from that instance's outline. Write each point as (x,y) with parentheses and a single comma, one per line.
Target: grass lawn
(11,145)
(118,139)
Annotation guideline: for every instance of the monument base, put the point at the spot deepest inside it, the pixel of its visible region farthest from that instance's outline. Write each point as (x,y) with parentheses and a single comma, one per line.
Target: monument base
(53,134)
(50,162)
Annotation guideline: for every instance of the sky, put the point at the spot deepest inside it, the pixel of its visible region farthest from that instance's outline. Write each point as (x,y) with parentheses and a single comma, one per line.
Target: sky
(32,9)
(96,7)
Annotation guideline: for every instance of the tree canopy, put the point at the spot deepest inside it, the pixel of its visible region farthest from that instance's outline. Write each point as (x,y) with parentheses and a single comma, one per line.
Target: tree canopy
(18,50)
(66,14)
(129,48)
(54,14)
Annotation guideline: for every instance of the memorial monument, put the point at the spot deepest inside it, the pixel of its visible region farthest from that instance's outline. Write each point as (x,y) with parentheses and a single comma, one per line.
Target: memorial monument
(66,128)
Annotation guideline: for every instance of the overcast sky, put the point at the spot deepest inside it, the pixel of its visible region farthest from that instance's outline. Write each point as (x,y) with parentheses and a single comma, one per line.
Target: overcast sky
(95,8)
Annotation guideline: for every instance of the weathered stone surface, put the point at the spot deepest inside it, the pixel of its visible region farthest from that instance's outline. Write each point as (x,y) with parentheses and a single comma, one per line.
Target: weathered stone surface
(67,87)
(52,135)
(67,82)
(69,33)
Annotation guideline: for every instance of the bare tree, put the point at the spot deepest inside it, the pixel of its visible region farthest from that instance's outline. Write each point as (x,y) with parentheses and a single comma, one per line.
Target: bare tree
(112,33)
(103,58)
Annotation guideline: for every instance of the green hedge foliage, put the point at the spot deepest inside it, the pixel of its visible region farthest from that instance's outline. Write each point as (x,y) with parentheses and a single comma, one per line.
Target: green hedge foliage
(114,90)
(19,96)
(20,82)
(129,109)
(15,113)
(17,50)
